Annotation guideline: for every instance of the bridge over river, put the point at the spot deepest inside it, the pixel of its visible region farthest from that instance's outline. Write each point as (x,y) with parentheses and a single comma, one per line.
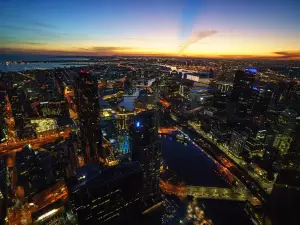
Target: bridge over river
(232,194)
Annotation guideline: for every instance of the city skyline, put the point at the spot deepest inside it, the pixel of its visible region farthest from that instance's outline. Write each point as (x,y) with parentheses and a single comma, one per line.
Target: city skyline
(168,28)
(149,140)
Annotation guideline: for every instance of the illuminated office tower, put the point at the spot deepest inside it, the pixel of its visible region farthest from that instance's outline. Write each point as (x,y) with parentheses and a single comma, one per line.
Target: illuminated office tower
(110,196)
(124,119)
(86,99)
(237,142)
(242,91)
(287,121)
(223,87)
(222,94)
(146,149)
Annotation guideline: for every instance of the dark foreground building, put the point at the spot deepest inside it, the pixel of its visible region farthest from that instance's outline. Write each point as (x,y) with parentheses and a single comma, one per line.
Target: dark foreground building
(284,202)
(283,207)
(241,94)
(109,196)
(146,149)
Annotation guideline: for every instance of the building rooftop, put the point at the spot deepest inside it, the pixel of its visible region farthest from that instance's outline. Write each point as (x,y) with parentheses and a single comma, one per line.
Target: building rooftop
(95,176)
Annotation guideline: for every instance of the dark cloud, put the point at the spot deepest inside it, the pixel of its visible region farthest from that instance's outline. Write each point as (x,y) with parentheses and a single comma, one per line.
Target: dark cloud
(280,55)
(197,36)
(288,54)
(105,49)
(37,51)
(110,49)
(99,50)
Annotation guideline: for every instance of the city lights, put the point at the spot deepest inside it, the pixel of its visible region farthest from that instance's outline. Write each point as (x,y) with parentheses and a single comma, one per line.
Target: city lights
(142,132)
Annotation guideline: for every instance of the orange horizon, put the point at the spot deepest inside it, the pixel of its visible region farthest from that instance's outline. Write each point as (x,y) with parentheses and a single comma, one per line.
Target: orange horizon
(149,54)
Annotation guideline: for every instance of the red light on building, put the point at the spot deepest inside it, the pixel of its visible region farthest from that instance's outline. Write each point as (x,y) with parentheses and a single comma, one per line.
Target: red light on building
(84,72)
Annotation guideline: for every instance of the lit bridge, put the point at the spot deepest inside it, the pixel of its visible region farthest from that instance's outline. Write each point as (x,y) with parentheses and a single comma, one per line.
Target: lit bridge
(233,194)
(218,193)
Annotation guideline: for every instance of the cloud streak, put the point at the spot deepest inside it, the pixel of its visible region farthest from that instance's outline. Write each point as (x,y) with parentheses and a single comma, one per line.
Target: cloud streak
(27,20)
(105,49)
(38,31)
(110,49)
(195,37)
(38,51)
(93,51)
(288,54)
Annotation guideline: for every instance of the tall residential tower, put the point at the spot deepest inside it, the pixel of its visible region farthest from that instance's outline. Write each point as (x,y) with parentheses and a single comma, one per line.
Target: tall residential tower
(86,98)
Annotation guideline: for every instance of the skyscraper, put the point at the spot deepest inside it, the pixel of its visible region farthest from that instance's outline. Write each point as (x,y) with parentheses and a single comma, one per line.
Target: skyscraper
(242,91)
(261,98)
(284,202)
(30,174)
(221,95)
(86,99)
(146,149)
(237,142)
(110,196)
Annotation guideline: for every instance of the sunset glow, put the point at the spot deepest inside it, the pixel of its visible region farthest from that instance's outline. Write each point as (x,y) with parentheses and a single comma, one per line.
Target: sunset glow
(176,28)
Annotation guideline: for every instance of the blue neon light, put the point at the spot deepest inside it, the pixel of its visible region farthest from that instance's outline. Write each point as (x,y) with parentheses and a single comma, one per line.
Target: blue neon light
(200,89)
(251,70)
(138,124)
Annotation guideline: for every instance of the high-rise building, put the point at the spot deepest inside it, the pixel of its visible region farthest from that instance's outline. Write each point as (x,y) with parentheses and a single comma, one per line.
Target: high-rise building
(221,95)
(110,196)
(282,143)
(237,142)
(146,149)
(87,102)
(65,157)
(182,89)
(30,174)
(71,155)
(284,202)
(223,87)
(287,121)
(261,98)
(242,91)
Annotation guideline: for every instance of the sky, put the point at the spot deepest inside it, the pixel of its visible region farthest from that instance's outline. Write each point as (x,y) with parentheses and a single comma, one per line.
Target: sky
(200,28)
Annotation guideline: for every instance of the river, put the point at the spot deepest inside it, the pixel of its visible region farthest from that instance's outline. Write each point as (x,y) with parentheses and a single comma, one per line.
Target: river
(195,168)
(47,62)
